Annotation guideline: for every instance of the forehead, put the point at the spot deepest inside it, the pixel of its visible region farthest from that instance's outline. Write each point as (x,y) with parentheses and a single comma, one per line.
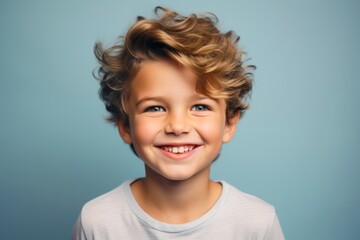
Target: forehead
(155,76)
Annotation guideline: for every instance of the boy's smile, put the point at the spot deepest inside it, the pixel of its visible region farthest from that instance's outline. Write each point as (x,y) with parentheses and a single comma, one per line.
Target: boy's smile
(175,130)
(179,152)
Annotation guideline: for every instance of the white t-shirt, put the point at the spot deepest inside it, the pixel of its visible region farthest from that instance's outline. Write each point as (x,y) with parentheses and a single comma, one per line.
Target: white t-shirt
(236,215)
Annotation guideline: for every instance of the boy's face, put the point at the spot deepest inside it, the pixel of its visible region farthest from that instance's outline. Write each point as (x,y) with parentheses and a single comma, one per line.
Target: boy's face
(175,130)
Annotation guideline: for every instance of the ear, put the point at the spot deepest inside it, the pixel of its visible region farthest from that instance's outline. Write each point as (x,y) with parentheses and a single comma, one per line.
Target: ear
(230,128)
(124,132)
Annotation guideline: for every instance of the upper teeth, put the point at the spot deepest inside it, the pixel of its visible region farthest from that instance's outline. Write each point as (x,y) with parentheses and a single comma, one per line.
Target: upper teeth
(180,149)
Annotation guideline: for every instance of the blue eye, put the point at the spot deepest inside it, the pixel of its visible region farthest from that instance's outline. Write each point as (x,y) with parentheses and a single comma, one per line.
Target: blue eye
(155,109)
(200,107)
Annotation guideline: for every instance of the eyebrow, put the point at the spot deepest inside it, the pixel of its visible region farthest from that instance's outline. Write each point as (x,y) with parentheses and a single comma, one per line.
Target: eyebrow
(201,96)
(145,99)
(197,96)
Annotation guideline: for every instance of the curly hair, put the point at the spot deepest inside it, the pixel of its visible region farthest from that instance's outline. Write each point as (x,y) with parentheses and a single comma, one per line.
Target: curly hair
(193,42)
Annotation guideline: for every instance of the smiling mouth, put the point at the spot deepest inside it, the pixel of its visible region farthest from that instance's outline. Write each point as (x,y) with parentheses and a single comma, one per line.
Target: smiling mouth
(178,149)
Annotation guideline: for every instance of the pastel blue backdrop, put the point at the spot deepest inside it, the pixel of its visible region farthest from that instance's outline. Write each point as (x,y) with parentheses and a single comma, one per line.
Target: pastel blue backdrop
(297,147)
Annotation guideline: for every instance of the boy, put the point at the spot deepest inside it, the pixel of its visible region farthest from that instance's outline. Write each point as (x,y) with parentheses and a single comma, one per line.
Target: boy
(175,88)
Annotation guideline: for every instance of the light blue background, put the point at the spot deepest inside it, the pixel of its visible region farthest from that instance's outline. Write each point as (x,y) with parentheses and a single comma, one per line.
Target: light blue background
(297,147)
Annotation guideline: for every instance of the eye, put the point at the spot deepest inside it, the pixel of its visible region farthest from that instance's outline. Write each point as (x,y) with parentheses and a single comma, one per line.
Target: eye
(200,107)
(155,109)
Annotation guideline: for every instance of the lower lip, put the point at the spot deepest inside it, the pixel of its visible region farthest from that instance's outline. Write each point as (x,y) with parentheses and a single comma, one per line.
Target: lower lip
(178,156)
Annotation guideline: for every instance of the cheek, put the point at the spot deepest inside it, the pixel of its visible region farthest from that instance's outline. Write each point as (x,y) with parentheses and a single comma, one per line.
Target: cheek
(144,131)
(211,130)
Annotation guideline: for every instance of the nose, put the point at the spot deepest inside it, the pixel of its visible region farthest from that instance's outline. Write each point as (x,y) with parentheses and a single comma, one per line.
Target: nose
(177,124)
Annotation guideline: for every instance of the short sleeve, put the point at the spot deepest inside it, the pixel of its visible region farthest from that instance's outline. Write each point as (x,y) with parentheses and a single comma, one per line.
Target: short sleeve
(274,232)
(78,231)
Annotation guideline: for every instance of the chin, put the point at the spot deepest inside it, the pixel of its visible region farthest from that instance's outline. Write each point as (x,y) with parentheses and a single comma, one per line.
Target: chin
(175,173)
(181,175)
(176,177)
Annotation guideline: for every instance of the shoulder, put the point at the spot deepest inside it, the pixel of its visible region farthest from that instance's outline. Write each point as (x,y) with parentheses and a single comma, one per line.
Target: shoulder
(105,206)
(243,206)
(251,215)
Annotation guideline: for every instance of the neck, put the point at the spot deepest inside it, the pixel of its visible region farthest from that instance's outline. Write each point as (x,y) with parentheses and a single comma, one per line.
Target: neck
(176,201)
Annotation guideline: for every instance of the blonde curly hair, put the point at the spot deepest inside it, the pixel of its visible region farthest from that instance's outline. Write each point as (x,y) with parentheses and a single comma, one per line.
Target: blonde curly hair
(191,41)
